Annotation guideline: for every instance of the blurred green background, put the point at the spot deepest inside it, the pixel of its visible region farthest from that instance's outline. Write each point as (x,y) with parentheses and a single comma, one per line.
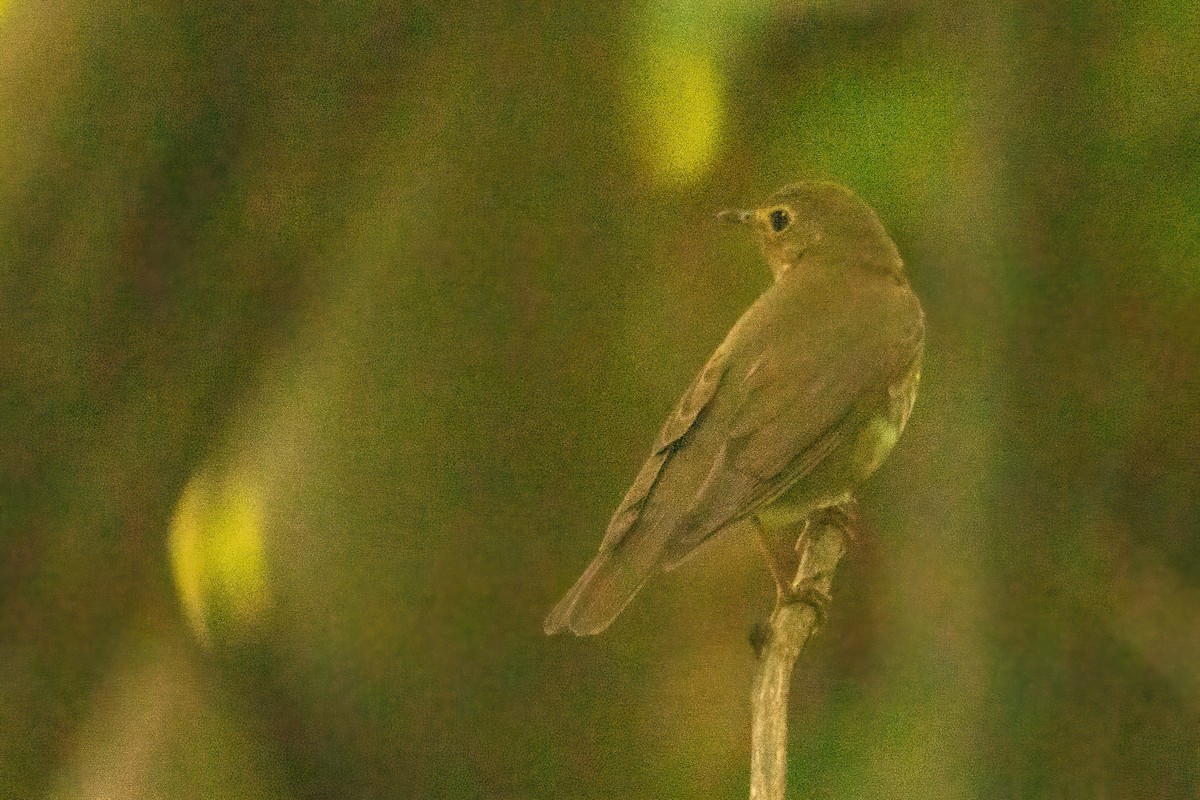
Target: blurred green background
(332,334)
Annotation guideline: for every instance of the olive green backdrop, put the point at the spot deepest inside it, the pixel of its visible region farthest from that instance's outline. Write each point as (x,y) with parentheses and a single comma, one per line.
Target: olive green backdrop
(331,334)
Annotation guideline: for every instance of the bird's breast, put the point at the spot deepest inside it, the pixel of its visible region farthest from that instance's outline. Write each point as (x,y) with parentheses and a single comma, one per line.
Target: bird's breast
(883,427)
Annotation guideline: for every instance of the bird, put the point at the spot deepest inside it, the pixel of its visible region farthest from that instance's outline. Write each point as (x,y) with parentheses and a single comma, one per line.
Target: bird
(801,402)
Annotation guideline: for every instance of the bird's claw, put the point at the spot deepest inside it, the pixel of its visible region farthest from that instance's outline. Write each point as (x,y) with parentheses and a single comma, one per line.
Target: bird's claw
(844,517)
(817,598)
(804,591)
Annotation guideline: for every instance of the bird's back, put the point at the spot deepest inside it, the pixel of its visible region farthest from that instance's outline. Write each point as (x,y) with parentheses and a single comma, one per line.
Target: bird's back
(759,417)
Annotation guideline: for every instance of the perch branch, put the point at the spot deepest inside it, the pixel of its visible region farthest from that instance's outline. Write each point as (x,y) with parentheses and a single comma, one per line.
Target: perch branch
(793,621)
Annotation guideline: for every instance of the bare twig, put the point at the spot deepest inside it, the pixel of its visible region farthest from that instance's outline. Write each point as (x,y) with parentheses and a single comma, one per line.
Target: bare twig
(792,623)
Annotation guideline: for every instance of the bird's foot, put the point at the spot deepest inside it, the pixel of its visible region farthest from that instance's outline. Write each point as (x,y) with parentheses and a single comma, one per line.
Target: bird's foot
(845,517)
(806,590)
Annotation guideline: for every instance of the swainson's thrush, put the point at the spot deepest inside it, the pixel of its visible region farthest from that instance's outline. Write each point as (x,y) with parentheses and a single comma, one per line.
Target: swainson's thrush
(801,402)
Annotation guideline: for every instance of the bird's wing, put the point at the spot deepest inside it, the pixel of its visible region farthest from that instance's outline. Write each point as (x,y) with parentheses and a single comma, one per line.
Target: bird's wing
(763,413)
(636,534)
(683,419)
(789,407)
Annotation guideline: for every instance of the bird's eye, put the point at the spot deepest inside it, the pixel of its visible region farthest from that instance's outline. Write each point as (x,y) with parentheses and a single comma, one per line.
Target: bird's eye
(779,219)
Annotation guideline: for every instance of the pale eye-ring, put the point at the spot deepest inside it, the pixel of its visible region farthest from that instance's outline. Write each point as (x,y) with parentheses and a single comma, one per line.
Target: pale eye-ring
(780,219)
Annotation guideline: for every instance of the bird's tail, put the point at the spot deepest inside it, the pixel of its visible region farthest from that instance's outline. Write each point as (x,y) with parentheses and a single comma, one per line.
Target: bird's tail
(604,589)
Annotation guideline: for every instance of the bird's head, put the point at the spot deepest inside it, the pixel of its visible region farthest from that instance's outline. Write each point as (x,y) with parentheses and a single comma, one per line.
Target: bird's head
(804,221)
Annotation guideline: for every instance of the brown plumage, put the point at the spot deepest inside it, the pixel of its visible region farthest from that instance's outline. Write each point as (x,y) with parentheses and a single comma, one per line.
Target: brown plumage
(799,404)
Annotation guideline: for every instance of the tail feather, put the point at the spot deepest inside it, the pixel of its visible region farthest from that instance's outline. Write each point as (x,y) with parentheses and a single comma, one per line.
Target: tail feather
(600,594)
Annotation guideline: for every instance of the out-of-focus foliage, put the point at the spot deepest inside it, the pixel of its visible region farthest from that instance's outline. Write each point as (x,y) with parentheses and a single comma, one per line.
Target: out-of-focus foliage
(676,78)
(216,546)
(331,335)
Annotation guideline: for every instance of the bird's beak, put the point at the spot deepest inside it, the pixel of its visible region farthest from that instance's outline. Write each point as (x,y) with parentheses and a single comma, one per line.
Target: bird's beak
(735,216)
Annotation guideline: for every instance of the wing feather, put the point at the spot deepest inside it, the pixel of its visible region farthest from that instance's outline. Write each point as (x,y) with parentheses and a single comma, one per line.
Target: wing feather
(683,419)
(769,406)
(791,408)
